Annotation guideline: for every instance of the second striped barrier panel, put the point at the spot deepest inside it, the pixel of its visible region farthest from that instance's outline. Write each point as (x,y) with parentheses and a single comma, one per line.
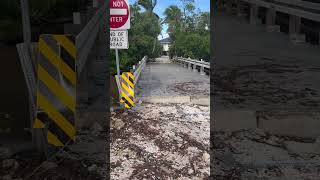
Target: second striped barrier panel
(56,89)
(127,89)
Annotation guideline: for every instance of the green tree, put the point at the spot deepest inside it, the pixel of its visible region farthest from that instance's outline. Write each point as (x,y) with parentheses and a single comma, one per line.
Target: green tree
(173,19)
(189,31)
(149,5)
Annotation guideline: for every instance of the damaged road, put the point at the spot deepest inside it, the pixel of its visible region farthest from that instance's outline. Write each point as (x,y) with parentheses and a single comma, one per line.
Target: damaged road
(161,141)
(255,154)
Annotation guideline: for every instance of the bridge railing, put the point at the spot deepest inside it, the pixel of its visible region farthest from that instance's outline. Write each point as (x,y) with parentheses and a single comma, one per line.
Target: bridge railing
(194,64)
(137,69)
(29,59)
(85,40)
(296,9)
(299,8)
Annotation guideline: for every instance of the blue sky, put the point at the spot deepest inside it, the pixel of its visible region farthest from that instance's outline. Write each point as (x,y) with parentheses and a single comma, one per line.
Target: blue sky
(203,5)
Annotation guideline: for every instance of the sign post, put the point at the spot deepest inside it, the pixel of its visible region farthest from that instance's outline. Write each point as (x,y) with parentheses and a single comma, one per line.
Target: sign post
(117,62)
(119,24)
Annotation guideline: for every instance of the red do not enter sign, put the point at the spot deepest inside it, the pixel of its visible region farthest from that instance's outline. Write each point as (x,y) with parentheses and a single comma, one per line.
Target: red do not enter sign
(119,14)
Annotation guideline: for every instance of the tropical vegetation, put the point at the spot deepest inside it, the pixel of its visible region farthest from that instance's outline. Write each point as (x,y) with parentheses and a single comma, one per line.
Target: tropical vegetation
(189,30)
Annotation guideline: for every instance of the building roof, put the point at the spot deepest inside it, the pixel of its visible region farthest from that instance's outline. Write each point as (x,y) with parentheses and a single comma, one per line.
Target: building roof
(165,40)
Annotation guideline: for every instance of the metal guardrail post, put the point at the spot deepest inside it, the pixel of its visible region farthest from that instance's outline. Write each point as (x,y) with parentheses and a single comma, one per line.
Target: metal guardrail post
(195,68)
(195,63)
(254,14)
(26,22)
(189,65)
(137,69)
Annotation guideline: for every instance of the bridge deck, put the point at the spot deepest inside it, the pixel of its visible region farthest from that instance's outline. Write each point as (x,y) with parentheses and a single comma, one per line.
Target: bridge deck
(262,80)
(256,69)
(162,78)
(167,139)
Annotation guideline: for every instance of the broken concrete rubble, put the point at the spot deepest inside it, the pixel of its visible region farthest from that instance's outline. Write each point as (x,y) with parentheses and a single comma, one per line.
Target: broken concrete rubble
(163,141)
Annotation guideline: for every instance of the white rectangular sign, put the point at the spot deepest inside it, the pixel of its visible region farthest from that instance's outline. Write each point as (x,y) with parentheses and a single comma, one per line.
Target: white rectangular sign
(119,39)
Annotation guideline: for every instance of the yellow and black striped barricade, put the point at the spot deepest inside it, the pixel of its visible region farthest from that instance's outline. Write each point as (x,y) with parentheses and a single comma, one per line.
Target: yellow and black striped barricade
(127,89)
(56,91)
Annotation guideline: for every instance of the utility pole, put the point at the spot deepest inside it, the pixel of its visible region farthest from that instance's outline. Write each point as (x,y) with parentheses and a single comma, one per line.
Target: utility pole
(38,135)
(26,22)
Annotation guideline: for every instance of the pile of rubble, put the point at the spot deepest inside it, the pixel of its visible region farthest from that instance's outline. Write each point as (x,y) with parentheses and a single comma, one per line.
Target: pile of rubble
(160,141)
(82,160)
(255,154)
(267,84)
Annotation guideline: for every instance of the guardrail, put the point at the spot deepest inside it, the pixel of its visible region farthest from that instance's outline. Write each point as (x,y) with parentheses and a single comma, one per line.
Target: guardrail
(28,68)
(296,9)
(86,38)
(84,42)
(137,69)
(299,8)
(29,59)
(193,64)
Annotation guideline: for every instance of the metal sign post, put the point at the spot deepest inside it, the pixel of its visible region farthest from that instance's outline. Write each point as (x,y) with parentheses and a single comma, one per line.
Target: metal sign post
(117,62)
(119,25)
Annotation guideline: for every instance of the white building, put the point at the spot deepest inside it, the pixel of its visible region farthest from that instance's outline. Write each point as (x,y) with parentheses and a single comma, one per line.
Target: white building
(166,42)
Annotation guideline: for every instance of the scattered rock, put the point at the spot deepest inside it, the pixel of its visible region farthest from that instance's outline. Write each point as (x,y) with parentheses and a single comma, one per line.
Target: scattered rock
(206,157)
(7,177)
(165,169)
(260,132)
(96,127)
(301,148)
(92,168)
(5,153)
(190,171)
(118,124)
(47,165)
(10,164)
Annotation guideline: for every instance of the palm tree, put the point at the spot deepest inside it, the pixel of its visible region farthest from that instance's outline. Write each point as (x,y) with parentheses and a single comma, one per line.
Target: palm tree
(173,18)
(148,4)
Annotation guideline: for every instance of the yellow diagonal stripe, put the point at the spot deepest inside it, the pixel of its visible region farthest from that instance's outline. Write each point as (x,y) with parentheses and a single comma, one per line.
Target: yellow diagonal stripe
(57,61)
(52,139)
(58,118)
(131,75)
(127,80)
(129,90)
(38,124)
(126,105)
(56,89)
(66,44)
(127,98)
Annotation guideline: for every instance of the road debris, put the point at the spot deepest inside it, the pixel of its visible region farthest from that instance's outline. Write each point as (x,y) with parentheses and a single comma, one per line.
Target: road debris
(161,141)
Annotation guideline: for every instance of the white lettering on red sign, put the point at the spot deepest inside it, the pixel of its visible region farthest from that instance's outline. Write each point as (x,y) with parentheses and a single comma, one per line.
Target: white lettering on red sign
(119,14)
